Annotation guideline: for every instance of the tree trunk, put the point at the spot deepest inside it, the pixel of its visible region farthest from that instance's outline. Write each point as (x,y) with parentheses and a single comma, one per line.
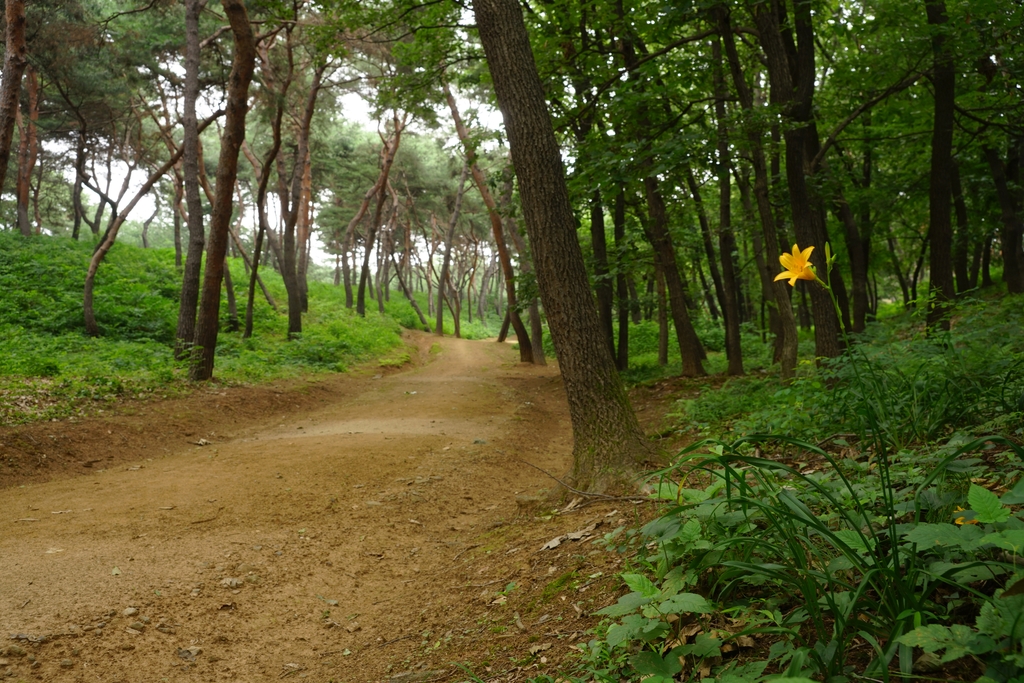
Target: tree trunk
(726,238)
(390,149)
(791,73)
(940,192)
(293,247)
(449,238)
(787,346)
(189,298)
(962,238)
(1012,229)
(15,61)
(28,150)
(525,348)
(621,289)
(603,285)
(91,327)
(608,442)
(242,67)
(662,317)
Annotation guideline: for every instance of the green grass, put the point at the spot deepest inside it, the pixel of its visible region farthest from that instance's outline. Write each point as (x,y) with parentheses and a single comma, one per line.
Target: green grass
(51,369)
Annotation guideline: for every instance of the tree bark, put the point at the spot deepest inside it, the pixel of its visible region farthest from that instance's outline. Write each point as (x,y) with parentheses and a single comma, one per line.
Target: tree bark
(242,67)
(28,150)
(726,238)
(940,192)
(15,61)
(608,442)
(791,73)
(621,288)
(189,297)
(603,285)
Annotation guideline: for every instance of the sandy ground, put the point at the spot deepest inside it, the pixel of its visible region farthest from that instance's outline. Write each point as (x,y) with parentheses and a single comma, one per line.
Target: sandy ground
(362,529)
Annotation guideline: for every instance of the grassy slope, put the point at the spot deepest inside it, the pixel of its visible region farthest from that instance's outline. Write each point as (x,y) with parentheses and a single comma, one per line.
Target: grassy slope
(50,369)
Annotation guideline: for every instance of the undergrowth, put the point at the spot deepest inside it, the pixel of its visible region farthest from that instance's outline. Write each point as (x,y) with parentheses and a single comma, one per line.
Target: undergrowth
(50,369)
(863,523)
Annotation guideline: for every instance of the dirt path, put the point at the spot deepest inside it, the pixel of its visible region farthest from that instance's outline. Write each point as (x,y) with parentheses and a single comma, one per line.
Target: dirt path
(323,547)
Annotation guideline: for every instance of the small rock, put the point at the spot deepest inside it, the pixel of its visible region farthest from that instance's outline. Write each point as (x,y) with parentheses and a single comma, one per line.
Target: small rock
(244,568)
(144,620)
(16,651)
(66,664)
(353,627)
(138,626)
(3,662)
(231,582)
(130,612)
(164,628)
(133,631)
(127,647)
(479,441)
(196,592)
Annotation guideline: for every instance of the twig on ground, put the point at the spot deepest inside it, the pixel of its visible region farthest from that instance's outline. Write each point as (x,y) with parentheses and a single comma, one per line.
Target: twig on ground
(587,494)
(209,519)
(466,549)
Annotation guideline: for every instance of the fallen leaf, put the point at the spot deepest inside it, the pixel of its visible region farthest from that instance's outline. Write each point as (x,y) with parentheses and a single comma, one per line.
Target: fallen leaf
(540,647)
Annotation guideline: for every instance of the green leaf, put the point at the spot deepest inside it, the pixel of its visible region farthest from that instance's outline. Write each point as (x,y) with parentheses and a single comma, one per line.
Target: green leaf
(685,602)
(652,664)
(986,505)
(938,535)
(1012,540)
(705,645)
(852,539)
(628,603)
(641,584)
(1014,496)
(957,641)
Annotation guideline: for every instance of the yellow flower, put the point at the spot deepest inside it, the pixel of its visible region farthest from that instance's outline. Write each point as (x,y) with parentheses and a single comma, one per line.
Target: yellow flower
(963,520)
(797,266)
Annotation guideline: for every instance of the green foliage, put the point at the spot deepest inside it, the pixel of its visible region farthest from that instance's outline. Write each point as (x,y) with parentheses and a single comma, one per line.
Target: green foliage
(896,382)
(50,369)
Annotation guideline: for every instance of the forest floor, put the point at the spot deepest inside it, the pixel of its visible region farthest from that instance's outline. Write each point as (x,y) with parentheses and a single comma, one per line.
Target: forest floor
(381,525)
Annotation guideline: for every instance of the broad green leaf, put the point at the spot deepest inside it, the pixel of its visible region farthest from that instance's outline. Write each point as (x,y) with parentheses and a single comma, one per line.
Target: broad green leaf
(1014,496)
(957,641)
(705,645)
(936,535)
(986,505)
(641,584)
(652,664)
(629,629)
(1008,540)
(685,602)
(630,602)
(852,539)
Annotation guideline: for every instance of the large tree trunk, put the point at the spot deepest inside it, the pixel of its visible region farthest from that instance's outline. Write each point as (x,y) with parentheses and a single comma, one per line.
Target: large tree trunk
(189,297)
(792,76)
(940,193)
(603,286)
(27,151)
(15,61)
(608,441)
(242,67)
